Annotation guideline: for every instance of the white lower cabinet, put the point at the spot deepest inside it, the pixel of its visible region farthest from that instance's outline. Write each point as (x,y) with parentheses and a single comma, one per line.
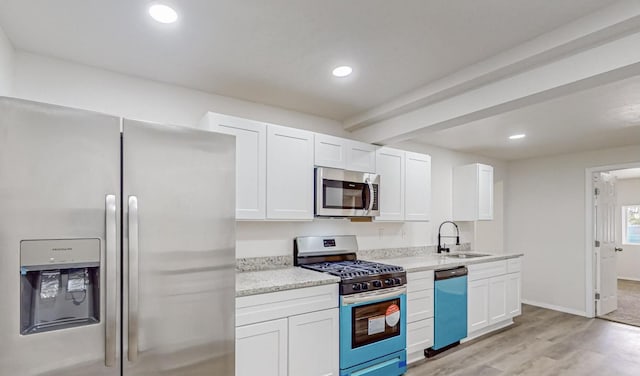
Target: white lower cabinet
(313,344)
(514,297)
(420,291)
(497,299)
(419,338)
(261,349)
(493,295)
(477,305)
(294,332)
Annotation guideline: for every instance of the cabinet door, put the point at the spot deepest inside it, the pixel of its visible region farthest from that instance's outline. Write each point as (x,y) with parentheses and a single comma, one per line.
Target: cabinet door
(390,167)
(497,299)
(261,349)
(478,305)
(251,162)
(290,173)
(485,192)
(419,337)
(331,151)
(514,298)
(417,187)
(361,157)
(313,344)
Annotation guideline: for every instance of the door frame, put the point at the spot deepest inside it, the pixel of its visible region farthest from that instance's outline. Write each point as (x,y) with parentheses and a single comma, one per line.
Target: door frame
(590,275)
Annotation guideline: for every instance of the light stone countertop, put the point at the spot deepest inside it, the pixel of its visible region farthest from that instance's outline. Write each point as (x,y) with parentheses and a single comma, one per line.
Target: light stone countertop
(264,281)
(288,278)
(440,261)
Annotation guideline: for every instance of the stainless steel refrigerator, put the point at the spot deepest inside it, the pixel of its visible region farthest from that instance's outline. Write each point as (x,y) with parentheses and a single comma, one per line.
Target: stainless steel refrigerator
(117,245)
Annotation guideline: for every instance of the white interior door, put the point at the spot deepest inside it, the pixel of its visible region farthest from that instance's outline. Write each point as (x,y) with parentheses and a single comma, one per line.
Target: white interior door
(605,238)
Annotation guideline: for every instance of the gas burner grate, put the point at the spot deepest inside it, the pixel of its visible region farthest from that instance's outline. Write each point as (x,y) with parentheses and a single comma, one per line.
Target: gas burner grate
(355,268)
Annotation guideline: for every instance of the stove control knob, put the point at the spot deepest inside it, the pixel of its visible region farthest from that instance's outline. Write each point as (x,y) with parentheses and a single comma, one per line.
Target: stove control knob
(365,285)
(356,287)
(377,284)
(397,281)
(388,282)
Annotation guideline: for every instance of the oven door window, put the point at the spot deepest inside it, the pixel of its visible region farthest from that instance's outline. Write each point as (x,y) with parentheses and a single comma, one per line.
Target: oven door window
(375,322)
(343,194)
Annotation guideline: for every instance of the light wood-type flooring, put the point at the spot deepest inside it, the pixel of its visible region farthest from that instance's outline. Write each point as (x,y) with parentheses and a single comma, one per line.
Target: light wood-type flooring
(543,342)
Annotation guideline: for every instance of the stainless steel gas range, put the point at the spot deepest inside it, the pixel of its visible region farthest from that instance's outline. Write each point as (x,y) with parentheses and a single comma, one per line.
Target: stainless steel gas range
(373,304)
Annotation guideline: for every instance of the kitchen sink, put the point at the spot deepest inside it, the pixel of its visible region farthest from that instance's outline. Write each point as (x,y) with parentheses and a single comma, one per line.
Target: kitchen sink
(467,255)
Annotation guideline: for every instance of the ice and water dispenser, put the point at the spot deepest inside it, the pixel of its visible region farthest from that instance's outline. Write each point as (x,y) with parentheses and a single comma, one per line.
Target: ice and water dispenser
(59,284)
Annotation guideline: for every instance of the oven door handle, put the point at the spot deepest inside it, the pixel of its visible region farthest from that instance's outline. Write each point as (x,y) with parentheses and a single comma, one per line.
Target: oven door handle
(373,296)
(370,185)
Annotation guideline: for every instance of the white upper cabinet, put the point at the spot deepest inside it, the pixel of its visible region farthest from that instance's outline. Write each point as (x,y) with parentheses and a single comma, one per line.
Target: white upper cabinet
(473,192)
(251,161)
(344,154)
(361,157)
(405,185)
(289,173)
(330,151)
(417,187)
(390,166)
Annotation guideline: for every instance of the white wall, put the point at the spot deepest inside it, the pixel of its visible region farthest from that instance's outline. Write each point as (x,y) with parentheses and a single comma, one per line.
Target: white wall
(65,83)
(545,219)
(6,64)
(60,82)
(628,191)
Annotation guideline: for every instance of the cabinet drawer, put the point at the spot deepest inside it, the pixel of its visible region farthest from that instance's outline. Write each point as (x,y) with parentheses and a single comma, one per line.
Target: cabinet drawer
(419,337)
(514,265)
(419,305)
(418,281)
(275,305)
(487,270)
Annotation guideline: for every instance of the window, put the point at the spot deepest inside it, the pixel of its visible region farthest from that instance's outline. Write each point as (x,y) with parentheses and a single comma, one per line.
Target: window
(631,224)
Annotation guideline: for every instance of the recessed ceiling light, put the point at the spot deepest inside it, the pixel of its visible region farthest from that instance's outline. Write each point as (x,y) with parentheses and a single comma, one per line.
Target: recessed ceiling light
(517,136)
(342,71)
(163,13)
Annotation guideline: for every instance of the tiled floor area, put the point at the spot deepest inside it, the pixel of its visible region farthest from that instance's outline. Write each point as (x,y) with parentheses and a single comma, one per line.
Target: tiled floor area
(544,342)
(628,311)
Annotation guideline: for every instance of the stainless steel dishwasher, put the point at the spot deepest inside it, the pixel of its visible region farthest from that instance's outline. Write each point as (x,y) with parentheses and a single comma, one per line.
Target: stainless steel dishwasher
(450,309)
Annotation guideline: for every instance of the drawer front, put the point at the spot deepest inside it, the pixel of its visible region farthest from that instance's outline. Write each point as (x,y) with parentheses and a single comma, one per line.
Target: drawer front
(487,270)
(419,338)
(419,305)
(418,281)
(275,305)
(514,265)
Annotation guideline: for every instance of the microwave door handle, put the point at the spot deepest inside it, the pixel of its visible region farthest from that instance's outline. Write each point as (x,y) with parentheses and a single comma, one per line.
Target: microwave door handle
(370,195)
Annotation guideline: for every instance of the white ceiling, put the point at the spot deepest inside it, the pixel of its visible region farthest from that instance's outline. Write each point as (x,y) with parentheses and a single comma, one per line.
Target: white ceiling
(603,117)
(281,52)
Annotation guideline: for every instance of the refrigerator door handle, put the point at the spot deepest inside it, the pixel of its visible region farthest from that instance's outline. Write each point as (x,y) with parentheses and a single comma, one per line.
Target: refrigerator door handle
(111,308)
(133,279)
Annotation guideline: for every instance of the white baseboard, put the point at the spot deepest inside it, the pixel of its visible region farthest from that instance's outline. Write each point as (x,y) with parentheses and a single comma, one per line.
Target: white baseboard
(630,279)
(555,308)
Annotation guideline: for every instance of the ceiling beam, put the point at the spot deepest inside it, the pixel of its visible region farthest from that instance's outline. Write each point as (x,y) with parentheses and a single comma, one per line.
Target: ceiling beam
(587,34)
(605,63)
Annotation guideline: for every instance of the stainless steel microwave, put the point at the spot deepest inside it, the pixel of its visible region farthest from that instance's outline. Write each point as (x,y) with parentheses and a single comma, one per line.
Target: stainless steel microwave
(341,193)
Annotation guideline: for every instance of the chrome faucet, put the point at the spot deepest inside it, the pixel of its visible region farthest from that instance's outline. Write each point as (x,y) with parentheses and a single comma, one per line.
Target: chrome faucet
(444,249)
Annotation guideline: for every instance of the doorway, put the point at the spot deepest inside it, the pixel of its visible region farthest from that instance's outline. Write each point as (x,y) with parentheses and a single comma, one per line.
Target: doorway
(613,243)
